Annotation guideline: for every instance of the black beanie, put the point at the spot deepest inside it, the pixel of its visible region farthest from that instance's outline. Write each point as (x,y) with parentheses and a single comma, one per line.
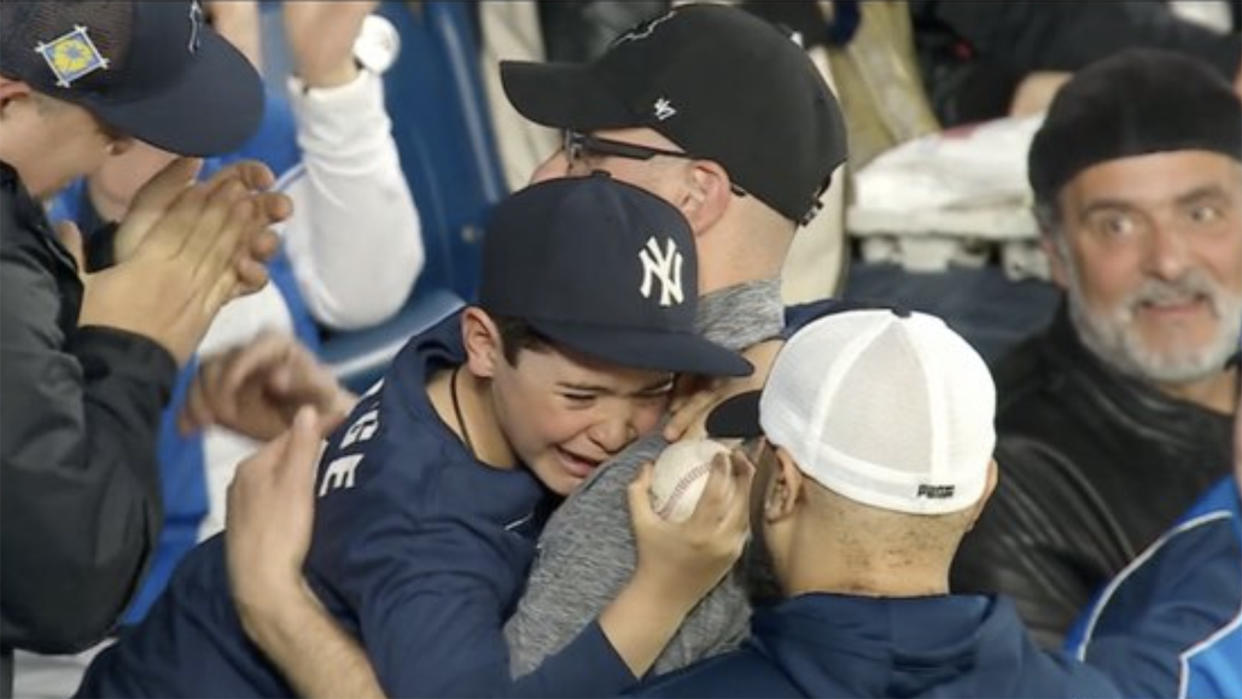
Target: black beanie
(1135,102)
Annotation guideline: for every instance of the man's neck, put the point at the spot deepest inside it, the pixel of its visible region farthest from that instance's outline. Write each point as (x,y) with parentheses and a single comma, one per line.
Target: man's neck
(486,439)
(877,575)
(1218,392)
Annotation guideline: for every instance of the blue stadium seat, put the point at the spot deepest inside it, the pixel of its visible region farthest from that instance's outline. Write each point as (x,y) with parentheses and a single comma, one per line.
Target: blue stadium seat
(359,359)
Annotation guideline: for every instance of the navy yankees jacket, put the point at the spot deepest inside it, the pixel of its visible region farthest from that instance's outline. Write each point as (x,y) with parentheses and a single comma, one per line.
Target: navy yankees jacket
(1170,624)
(419,550)
(823,645)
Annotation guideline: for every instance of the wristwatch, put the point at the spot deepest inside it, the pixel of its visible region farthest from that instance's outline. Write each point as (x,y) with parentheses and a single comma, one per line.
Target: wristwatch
(377,45)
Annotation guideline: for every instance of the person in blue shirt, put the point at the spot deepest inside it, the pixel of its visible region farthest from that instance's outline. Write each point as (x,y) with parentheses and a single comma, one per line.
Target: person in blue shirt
(873,437)
(1170,624)
(430,495)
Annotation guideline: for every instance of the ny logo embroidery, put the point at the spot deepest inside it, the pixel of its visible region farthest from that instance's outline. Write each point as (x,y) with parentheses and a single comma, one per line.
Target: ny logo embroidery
(664,109)
(663,266)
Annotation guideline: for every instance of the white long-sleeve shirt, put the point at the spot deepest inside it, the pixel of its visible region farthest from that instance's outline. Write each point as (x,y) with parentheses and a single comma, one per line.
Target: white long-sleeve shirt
(353,241)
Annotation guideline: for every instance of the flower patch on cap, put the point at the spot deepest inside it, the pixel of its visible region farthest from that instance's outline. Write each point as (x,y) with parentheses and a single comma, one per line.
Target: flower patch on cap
(72,56)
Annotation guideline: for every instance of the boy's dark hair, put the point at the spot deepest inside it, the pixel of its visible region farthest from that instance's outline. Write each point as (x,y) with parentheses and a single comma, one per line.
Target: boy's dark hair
(517,335)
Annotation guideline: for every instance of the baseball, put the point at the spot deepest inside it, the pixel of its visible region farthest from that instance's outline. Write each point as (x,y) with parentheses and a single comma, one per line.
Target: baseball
(679,476)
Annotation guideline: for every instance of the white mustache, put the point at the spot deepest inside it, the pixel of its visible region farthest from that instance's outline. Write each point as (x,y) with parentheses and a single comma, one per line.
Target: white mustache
(1194,284)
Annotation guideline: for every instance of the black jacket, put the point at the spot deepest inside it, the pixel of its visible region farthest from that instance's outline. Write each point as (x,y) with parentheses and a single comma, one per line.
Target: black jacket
(79,407)
(1094,466)
(973,53)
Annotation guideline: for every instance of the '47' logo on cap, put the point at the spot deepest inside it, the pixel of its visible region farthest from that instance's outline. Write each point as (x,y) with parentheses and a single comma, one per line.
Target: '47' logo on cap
(663,266)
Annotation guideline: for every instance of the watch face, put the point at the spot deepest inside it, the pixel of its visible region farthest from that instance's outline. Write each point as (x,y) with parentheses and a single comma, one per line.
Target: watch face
(377,44)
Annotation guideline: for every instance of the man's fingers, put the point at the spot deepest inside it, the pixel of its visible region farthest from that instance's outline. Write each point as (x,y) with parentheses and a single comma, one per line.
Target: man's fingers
(164,187)
(743,476)
(168,235)
(254,175)
(687,414)
(301,451)
(251,276)
(275,206)
(710,508)
(639,495)
(263,354)
(226,201)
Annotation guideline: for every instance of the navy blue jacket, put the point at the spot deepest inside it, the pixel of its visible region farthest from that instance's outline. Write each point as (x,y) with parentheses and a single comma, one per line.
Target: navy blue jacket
(824,645)
(1170,625)
(419,550)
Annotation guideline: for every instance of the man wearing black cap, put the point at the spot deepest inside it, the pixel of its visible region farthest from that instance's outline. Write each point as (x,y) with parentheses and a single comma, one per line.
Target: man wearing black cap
(88,361)
(726,117)
(1114,419)
(432,493)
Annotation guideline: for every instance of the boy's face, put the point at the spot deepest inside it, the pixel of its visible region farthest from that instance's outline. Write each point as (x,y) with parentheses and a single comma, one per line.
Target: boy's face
(566,414)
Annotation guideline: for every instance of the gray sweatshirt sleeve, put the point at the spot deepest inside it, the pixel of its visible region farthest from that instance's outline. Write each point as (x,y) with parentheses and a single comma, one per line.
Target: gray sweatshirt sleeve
(586,555)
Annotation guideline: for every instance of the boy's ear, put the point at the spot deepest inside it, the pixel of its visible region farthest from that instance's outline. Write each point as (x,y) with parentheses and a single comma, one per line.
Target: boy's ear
(12,90)
(481,337)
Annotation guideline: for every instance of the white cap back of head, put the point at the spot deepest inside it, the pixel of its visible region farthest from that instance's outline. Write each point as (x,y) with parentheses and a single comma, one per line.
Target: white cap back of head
(893,411)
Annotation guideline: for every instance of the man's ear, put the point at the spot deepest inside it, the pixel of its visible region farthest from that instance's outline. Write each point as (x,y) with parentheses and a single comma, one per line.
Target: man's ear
(11,91)
(1055,249)
(988,489)
(784,490)
(707,194)
(481,337)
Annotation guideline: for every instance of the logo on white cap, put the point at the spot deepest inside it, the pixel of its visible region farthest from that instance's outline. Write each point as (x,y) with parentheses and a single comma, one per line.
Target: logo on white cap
(663,266)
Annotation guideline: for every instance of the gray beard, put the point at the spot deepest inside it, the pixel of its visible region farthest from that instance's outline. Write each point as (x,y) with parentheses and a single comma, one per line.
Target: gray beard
(1111,336)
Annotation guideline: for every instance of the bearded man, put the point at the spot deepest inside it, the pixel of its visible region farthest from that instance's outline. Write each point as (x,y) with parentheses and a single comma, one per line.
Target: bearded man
(1114,419)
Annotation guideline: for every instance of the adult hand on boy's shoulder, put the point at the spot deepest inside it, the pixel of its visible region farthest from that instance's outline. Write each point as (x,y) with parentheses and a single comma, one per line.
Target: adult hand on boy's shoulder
(270,515)
(271,509)
(698,396)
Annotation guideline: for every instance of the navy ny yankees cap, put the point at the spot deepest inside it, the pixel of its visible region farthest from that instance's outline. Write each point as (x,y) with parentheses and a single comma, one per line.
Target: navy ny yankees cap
(719,82)
(602,268)
(152,70)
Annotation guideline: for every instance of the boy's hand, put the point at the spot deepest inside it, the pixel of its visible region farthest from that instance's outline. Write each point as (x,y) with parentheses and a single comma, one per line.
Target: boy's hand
(321,38)
(686,560)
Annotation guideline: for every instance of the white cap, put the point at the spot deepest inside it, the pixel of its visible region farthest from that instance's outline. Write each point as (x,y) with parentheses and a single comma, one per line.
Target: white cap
(889,410)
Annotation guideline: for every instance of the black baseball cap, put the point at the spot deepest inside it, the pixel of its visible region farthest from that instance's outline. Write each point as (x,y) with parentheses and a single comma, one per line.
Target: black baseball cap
(719,82)
(1132,103)
(602,268)
(153,70)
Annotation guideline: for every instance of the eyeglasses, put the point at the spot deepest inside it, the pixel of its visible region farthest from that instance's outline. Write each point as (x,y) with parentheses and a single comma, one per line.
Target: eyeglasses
(578,145)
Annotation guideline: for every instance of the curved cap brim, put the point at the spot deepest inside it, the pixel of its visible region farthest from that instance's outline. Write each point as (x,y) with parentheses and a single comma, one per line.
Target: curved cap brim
(646,349)
(563,96)
(213,109)
(736,418)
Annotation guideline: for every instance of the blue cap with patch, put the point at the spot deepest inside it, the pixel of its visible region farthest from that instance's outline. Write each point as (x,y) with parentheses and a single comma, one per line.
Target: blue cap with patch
(152,70)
